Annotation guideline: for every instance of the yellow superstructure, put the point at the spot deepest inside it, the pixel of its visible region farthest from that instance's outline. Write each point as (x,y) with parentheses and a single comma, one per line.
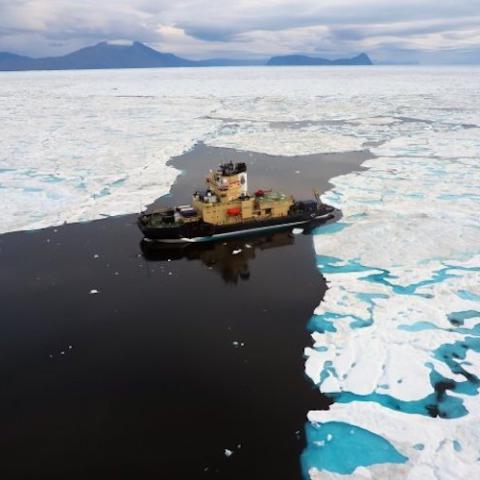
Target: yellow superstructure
(226,200)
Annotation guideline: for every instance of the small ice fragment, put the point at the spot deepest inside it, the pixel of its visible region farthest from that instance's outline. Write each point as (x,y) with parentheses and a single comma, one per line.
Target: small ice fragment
(247,245)
(70,347)
(235,343)
(62,353)
(329,437)
(169,260)
(242,344)
(116,273)
(297,231)
(170,273)
(297,171)
(239,445)
(236,252)
(51,356)
(319,443)
(95,256)
(94,291)
(228,453)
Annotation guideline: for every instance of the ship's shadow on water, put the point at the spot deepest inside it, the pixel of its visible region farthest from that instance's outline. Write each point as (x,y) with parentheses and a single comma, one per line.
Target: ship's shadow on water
(119,359)
(229,258)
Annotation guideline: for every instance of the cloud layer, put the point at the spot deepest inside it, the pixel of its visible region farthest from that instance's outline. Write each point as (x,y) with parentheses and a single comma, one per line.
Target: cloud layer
(421,30)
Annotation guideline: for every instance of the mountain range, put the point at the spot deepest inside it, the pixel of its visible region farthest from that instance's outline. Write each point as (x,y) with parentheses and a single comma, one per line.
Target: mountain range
(137,55)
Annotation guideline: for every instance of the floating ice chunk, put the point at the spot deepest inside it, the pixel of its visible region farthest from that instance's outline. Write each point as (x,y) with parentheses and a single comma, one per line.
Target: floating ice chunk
(260,137)
(94,291)
(297,231)
(236,252)
(228,453)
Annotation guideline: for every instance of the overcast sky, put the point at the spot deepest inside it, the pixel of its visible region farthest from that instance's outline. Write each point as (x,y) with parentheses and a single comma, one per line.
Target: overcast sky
(428,31)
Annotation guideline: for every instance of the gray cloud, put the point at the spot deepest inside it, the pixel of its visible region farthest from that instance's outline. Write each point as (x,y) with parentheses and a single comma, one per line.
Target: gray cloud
(421,29)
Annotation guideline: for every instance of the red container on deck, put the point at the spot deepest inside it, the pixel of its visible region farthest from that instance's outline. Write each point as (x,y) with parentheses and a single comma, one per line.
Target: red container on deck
(233,212)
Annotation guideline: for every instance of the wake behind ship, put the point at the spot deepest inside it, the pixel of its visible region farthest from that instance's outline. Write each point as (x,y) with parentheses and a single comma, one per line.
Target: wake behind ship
(226,209)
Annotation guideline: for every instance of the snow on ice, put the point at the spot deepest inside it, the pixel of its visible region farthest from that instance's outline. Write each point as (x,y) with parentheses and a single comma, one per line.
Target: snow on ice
(396,340)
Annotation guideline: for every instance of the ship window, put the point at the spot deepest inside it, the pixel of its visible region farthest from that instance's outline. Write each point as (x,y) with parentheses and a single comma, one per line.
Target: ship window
(268,211)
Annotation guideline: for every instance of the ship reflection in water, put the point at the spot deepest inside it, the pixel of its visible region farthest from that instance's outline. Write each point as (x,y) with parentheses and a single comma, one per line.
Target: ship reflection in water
(230,258)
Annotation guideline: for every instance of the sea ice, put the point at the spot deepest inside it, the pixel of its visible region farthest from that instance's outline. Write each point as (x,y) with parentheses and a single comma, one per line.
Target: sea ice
(78,146)
(395,340)
(397,336)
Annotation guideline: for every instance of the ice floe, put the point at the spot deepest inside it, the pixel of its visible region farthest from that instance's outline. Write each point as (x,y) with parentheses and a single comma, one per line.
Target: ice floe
(79,146)
(397,336)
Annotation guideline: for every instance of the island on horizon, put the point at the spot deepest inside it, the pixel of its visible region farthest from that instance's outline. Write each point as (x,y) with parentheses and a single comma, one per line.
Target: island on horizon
(362,59)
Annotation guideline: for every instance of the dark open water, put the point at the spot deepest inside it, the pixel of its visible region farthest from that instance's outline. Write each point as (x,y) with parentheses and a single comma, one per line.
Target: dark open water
(172,362)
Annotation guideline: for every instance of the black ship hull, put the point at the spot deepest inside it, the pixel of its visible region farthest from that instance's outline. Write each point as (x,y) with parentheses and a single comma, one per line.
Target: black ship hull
(206,232)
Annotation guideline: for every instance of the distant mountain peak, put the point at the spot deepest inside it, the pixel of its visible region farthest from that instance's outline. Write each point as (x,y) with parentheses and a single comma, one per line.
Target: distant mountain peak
(363,56)
(106,54)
